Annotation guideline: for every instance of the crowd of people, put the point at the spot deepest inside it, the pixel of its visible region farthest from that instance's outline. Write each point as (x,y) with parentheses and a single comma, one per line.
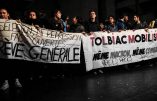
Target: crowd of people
(76,24)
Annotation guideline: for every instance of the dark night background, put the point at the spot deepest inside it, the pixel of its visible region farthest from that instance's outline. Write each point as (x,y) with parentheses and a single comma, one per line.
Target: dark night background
(146,8)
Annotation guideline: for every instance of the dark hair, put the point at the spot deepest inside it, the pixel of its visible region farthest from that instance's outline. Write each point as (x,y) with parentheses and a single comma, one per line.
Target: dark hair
(4,9)
(76,17)
(121,16)
(56,11)
(31,10)
(92,10)
(7,11)
(138,15)
(110,16)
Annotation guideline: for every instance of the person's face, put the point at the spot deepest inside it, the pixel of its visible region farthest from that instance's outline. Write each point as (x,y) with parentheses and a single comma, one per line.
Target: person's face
(58,15)
(67,18)
(126,18)
(74,20)
(4,14)
(136,18)
(32,15)
(92,15)
(111,20)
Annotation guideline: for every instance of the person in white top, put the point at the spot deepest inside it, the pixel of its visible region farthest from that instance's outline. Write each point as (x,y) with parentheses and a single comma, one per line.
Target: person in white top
(6,70)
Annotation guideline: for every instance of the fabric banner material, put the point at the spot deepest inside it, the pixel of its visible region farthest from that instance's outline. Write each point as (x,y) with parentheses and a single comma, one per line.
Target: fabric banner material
(22,41)
(103,49)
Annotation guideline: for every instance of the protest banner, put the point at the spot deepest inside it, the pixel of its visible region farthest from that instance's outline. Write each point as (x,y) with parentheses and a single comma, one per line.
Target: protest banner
(103,49)
(22,41)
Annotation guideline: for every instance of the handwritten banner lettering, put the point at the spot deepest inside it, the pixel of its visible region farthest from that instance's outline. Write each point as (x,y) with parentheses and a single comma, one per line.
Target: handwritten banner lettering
(22,41)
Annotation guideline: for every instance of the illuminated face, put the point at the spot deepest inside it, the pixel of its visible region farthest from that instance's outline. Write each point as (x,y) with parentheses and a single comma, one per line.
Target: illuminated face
(74,20)
(4,14)
(111,20)
(32,15)
(58,15)
(92,15)
(126,18)
(136,18)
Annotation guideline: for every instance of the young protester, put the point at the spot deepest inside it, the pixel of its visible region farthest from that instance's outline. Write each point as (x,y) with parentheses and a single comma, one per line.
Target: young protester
(138,23)
(57,23)
(92,24)
(76,26)
(9,75)
(111,25)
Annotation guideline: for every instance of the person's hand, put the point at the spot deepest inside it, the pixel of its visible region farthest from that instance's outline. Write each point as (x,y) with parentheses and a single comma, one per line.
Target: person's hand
(90,33)
(120,30)
(108,31)
(103,30)
(37,26)
(61,31)
(146,29)
(18,20)
(84,33)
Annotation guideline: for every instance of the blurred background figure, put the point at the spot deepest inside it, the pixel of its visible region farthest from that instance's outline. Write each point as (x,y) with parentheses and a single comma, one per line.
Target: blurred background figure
(137,23)
(57,23)
(153,24)
(76,26)
(111,25)
(127,22)
(32,18)
(92,24)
